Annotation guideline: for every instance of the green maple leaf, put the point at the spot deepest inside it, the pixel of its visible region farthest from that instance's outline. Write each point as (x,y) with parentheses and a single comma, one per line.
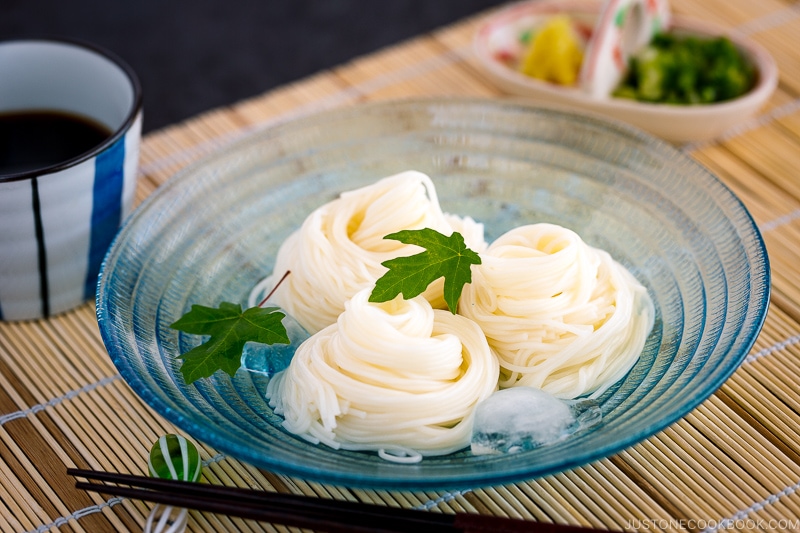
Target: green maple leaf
(443,256)
(229,329)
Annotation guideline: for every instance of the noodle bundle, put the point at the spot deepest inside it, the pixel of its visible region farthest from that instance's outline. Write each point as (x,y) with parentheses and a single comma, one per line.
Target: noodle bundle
(397,376)
(562,316)
(340,246)
(403,377)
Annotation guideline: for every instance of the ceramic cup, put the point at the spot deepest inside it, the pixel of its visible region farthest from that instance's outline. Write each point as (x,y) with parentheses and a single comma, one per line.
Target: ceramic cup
(57,221)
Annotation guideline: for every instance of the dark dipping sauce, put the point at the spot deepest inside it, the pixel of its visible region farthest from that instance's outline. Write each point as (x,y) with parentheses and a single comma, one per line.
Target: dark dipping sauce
(34,140)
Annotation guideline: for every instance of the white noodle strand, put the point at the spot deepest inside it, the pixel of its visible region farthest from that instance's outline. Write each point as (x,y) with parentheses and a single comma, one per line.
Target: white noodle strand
(410,385)
(340,246)
(561,315)
(402,378)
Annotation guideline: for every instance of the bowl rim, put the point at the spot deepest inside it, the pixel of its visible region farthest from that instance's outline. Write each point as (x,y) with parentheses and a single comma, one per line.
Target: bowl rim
(131,114)
(354,479)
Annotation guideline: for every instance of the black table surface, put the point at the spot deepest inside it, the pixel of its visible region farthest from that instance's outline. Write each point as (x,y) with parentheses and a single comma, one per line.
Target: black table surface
(195,55)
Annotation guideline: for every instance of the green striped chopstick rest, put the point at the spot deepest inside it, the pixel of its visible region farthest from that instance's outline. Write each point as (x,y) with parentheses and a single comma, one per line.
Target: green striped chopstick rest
(174,457)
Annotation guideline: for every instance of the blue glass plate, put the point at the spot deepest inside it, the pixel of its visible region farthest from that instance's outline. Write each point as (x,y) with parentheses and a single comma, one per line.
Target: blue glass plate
(212,231)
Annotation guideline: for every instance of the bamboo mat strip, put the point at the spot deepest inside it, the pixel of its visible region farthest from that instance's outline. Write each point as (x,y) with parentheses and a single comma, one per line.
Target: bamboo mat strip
(733,463)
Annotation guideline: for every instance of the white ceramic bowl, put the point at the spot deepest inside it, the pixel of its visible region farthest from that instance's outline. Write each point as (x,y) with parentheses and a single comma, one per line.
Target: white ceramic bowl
(675,123)
(58,219)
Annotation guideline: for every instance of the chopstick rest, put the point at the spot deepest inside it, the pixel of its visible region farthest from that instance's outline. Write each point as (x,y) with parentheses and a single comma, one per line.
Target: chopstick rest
(172,457)
(166,519)
(334,516)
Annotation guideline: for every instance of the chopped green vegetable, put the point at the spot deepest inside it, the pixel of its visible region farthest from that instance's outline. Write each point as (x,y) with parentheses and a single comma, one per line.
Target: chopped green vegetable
(687,70)
(229,329)
(445,256)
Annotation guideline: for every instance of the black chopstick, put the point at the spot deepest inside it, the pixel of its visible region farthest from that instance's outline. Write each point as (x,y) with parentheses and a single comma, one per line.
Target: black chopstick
(333,516)
(287,509)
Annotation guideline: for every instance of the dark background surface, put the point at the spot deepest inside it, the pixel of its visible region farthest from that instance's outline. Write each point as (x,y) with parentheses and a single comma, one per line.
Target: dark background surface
(195,55)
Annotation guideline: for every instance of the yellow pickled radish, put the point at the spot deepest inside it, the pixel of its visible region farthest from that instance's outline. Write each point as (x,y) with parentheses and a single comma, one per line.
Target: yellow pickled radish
(555,52)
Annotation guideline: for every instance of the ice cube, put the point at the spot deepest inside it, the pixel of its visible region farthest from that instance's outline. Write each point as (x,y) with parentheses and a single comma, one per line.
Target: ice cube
(524,418)
(269,359)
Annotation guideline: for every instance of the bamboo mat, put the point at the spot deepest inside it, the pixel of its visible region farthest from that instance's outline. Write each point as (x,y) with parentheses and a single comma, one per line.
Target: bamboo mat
(733,463)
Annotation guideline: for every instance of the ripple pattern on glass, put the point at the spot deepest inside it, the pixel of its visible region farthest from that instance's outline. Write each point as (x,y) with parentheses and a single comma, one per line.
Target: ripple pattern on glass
(211,233)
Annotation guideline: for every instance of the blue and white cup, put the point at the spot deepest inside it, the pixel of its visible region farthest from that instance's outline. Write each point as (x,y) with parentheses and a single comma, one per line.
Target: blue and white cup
(57,222)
